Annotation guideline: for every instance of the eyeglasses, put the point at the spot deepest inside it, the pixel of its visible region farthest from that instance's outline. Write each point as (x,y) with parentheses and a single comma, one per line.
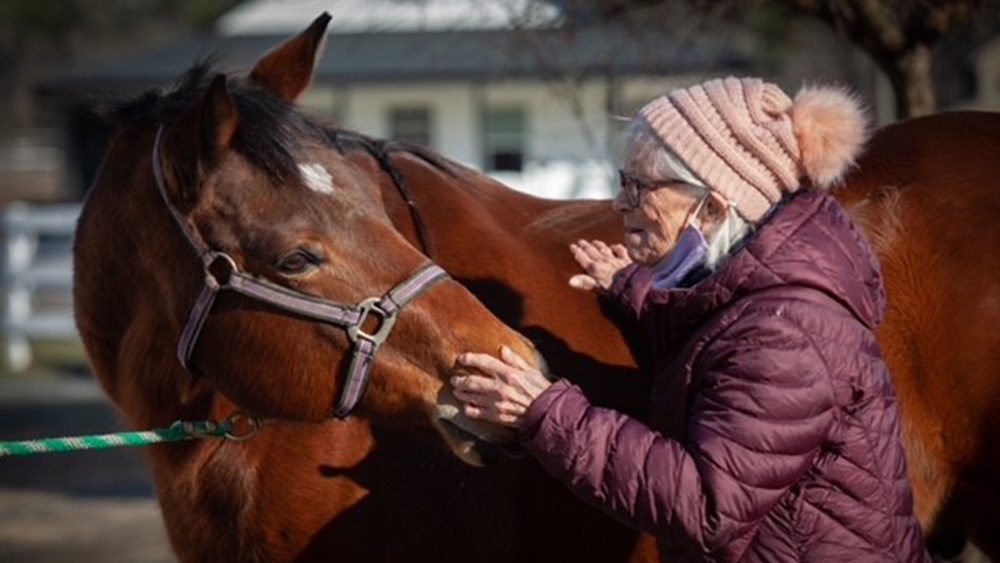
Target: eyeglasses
(633,187)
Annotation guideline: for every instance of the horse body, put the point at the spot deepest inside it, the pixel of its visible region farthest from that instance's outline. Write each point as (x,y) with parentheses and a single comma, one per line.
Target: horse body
(379,486)
(926,195)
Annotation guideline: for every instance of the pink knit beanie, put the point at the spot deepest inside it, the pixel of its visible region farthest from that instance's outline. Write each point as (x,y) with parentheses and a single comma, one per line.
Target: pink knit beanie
(750,142)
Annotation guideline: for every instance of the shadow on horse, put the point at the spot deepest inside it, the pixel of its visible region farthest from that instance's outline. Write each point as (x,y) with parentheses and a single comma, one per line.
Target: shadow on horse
(228,233)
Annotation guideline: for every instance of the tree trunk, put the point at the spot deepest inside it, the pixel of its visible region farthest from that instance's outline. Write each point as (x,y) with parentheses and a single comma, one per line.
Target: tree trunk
(912,82)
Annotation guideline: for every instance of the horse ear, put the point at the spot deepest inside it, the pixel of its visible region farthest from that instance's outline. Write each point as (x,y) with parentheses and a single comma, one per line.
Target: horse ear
(218,122)
(198,139)
(288,70)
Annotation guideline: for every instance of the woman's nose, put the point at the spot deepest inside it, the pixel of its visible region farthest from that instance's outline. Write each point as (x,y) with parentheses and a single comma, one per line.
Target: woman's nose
(619,204)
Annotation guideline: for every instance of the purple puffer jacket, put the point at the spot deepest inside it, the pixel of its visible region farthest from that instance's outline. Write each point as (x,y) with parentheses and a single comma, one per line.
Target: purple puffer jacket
(774,428)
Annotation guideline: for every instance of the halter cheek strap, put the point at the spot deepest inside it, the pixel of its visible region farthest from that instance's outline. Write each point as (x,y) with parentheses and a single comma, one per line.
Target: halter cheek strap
(222,273)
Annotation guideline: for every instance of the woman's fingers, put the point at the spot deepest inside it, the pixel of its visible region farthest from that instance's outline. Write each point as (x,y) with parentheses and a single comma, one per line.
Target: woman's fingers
(583,281)
(506,406)
(506,419)
(484,363)
(503,398)
(468,398)
(529,383)
(609,253)
(590,250)
(505,390)
(604,249)
(475,384)
(514,359)
(580,255)
(620,252)
(507,382)
(586,250)
(599,261)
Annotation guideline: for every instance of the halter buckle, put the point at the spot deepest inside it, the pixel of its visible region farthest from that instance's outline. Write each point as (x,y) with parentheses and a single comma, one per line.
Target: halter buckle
(386,320)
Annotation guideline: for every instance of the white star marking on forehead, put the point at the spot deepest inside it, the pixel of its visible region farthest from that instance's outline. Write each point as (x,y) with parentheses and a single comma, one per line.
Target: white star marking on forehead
(317,178)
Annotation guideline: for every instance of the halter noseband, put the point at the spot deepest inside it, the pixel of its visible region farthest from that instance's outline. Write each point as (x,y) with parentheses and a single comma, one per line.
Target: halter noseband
(221,273)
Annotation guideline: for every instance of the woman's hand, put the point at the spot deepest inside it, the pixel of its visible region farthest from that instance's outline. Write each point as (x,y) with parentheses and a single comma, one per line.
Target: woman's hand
(600,261)
(506,390)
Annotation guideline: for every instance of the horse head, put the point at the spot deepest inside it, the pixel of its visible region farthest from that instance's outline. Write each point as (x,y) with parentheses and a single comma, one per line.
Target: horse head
(292,235)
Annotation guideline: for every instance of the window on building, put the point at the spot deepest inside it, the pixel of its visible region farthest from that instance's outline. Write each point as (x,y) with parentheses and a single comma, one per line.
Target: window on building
(411,125)
(324,102)
(505,139)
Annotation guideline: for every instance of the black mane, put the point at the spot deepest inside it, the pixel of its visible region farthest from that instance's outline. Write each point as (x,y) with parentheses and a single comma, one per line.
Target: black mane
(271,131)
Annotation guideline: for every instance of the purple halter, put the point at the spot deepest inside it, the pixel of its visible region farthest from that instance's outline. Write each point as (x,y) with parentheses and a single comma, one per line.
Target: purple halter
(221,273)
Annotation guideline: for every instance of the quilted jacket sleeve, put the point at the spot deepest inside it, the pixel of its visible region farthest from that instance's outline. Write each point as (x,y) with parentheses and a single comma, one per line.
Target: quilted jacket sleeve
(762,407)
(632,292)
(629,289)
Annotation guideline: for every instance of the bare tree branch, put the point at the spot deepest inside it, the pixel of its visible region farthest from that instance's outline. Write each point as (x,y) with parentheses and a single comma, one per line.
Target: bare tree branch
(898,36)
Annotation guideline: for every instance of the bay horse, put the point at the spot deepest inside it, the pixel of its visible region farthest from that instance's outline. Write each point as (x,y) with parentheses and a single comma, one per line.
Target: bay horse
(329,216)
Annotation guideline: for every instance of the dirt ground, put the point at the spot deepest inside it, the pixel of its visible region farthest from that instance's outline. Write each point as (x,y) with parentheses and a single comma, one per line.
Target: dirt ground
(84,507)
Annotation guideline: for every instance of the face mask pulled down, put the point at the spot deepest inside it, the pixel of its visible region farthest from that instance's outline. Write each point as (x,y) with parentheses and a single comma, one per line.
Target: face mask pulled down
(689,253)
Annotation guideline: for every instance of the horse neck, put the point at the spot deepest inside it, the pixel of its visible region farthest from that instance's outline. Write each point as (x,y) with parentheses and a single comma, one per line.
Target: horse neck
(511,251)
(467,213)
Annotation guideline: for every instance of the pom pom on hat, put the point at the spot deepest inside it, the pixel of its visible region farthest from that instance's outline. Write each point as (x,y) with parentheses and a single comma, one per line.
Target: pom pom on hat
(831,128)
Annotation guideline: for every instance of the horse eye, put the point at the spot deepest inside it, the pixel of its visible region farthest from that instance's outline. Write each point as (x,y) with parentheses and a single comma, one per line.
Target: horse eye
(297,262)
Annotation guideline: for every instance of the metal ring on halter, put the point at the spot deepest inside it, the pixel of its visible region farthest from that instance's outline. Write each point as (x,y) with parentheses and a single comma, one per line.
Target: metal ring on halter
(354,332)
(211,276)
(237,419)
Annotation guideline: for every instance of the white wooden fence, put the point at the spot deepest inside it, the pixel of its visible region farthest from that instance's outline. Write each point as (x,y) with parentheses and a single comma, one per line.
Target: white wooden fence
(37,277)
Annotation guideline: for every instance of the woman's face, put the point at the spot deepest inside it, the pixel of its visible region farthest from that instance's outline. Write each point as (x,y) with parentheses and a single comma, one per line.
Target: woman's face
(652,227)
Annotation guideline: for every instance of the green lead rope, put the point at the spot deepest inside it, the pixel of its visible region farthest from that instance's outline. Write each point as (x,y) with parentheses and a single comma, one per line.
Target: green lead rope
(176,432)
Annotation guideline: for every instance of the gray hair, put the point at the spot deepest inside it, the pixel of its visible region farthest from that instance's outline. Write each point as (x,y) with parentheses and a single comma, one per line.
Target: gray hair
(642,144)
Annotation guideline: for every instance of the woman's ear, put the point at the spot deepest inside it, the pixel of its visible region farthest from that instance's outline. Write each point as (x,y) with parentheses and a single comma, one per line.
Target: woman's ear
(715,210)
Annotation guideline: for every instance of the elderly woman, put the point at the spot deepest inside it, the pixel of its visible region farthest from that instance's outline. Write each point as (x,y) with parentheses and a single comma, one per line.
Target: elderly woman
(773,433)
